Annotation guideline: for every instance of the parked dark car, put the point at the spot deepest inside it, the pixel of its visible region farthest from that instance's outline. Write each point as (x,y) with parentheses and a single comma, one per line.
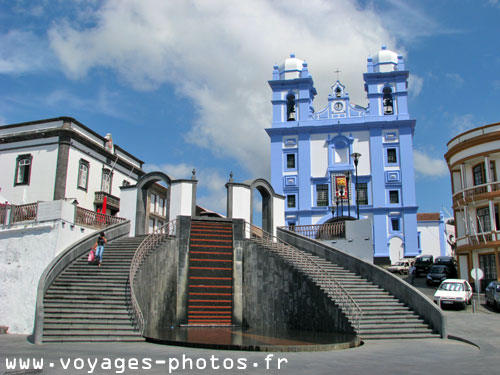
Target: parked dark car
(438,273)
(492,294)
(422,264)
(450,263)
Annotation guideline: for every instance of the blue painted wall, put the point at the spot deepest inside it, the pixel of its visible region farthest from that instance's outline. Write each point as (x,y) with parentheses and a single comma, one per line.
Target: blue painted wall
(387,121)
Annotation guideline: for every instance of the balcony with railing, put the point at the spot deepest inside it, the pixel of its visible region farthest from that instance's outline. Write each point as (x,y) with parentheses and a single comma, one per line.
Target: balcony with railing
(95,220)
(476,193)
(478,240)
(112,202)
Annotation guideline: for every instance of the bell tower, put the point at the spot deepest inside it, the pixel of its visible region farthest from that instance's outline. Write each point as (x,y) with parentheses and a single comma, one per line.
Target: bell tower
(386,85)
(293,92)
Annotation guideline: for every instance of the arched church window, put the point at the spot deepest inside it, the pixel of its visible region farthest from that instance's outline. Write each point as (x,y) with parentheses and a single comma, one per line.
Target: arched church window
(387,99)
(290,107)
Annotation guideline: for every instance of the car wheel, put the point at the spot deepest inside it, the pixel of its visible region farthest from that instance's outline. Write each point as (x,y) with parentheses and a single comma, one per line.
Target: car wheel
(487,301)
(495,305)
(469,301)
(464,306)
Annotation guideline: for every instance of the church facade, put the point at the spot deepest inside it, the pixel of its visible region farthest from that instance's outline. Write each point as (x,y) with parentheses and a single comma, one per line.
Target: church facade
(318,158)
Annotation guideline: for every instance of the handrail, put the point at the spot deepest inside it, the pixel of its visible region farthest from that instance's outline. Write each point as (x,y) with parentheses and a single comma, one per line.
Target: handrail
(61,261)
(319,274)
(472,191)
(325,231)
(143,250)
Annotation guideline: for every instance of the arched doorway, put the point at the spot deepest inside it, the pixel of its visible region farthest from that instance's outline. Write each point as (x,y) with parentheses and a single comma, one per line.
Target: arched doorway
(396,249)
(267,193)
(143,186)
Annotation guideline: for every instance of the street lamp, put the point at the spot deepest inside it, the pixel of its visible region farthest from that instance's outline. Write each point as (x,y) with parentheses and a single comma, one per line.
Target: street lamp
(348,175)
(356,156)
(342,201)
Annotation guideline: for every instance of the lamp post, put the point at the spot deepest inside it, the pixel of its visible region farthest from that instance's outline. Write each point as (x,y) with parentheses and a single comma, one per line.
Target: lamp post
(356,156)
(348,175)
(337,203)
(342,201)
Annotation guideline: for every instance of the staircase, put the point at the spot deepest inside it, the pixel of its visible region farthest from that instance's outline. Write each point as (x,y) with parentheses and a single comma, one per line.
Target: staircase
(383,316)
(210,273)
(87,303)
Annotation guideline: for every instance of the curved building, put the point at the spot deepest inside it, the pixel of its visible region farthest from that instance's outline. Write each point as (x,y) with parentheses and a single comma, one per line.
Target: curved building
(473,158)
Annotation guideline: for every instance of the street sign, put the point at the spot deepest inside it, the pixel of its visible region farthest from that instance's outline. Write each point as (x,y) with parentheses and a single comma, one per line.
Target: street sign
(477,273)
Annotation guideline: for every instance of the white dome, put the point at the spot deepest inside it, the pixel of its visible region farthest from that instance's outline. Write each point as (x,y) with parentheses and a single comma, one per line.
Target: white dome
(291,67)
(385,60)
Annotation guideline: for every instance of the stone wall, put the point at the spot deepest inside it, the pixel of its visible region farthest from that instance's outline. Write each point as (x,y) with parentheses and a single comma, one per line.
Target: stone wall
(276,296)
(406,293)
(156,288)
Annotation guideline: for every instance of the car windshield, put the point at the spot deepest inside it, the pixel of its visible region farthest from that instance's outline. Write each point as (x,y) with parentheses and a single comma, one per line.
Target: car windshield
(437,269)
(452,287)
(423,259)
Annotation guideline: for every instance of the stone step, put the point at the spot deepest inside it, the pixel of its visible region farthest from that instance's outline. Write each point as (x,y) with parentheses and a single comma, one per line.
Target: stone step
(85,322)
(79,316)
(70,331)
(80,304)
(86,297)
(89,283)
(399,336)
(89,289)
(66,311)
(94,338)
(387,325)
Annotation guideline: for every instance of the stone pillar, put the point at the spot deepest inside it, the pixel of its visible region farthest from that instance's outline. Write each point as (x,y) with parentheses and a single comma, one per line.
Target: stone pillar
(183,231)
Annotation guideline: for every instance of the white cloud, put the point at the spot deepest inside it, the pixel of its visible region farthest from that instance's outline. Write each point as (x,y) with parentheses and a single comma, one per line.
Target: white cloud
(415,85)
(22,52)
(456,80)
(221,55)
(428,166)
(459,124)
(409,20)
(105,102)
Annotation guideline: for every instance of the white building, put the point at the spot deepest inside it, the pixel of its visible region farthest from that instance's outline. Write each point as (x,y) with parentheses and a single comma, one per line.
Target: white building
(434,233)
(61,158)
(473,158)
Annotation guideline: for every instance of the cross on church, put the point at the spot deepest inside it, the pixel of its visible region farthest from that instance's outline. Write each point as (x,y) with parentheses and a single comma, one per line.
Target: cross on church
(337,71)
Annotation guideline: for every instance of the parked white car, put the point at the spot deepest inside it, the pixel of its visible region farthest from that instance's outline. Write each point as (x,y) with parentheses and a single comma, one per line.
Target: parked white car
(453,292)
(400,267)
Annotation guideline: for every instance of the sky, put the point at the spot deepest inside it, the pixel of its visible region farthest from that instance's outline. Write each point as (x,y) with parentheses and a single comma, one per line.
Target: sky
(183,84)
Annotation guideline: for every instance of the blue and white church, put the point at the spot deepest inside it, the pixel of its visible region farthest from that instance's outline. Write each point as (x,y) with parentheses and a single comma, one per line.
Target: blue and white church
(318,156)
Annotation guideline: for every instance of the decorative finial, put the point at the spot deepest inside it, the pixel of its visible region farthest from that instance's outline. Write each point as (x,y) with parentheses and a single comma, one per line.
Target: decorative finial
(292,55)
(193,172)
(231,176)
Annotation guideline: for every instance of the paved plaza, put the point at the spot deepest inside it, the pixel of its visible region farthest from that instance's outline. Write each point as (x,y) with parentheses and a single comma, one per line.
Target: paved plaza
(475,351)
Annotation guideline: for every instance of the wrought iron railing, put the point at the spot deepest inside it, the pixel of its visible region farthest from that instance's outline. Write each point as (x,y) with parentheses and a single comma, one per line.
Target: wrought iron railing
(327,231)
(24,212)
(306,263)
(167,231)
(3,214)
(94,219)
